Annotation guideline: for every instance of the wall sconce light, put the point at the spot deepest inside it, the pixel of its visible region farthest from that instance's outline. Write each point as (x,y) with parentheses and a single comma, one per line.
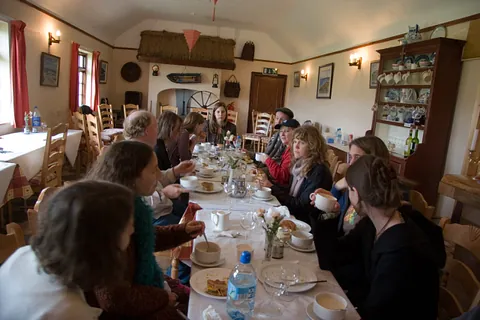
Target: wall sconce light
(215,81)
(52,39)
(303,75)
(355,61)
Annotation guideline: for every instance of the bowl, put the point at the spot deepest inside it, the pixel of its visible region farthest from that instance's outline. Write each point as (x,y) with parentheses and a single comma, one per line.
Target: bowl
(189,182)
(204,256)
(395,66)
(302,239)
(330,306)
(206,171)
(325,202)
(263,193)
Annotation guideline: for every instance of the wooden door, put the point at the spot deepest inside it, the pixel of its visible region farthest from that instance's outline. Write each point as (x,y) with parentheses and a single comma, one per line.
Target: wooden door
(267,93)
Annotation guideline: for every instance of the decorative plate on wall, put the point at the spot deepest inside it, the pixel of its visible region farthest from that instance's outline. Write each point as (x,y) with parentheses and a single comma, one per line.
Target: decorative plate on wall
(131,72)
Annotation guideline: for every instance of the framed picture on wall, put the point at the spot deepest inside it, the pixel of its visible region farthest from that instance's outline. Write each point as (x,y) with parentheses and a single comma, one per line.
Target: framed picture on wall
(296,79)
(374,66)
(325,81)
(103,71)
(49,70)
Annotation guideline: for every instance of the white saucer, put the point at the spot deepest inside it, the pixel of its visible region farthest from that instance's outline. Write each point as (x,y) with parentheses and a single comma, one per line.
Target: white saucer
(207,176)
(312,314)
(294,247)
(254,197)
(205,265)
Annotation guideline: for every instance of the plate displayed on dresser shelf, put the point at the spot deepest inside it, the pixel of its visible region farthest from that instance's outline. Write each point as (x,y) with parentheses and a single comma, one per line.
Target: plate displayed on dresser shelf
(393,95)
(439,32)
(422,57)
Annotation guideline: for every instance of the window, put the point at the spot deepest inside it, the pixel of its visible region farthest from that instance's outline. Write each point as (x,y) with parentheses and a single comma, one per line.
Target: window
(82,78)
(6,96)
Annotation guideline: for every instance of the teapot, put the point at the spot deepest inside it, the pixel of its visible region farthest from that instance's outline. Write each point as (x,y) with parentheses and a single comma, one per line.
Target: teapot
(239,188)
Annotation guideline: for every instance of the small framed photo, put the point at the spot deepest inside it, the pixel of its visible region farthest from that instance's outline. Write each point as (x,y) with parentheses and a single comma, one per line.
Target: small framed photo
(49,70)
(374,66)
(296,79)
(325,81)
(103,71)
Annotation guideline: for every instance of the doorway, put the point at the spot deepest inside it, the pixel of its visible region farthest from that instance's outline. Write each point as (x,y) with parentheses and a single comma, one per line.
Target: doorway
(267,93)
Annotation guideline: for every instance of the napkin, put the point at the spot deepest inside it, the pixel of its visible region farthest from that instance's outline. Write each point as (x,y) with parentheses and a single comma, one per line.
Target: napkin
(283,210)
(210,314)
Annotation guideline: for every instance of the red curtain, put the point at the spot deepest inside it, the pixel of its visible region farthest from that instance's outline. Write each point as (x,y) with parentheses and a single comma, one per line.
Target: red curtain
(19,72)
(73,100)
(95,81)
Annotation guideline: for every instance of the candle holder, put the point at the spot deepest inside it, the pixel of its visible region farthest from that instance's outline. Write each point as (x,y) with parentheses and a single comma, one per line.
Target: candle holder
(472,163)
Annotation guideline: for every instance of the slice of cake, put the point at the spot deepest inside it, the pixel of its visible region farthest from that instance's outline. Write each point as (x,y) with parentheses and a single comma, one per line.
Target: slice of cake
(217,288)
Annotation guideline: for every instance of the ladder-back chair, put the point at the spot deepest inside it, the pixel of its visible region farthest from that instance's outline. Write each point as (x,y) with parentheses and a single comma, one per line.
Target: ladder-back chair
(94,135)
(33,213)
(418,203)
(263,127)
(202,111)
(232,116)
(129,108)
(168,108)
(105,114)
(11,241)
(83,157)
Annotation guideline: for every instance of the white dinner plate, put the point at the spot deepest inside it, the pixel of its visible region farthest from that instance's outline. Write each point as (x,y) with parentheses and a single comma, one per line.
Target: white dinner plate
(217,187)
(254,197)
(306,250)
(273,270)
(198,280)
(207,265)
(206,176)
(301,226)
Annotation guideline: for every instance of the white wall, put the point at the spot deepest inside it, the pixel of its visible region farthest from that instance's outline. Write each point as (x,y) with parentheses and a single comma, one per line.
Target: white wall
(52,101)
(265,47)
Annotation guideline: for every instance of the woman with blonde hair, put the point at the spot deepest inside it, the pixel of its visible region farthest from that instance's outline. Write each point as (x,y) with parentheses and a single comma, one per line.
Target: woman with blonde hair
(181,148)
(218,125)
(308,173)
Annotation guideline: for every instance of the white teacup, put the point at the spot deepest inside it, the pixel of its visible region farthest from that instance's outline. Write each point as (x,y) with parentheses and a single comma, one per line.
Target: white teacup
(397,77)
(406,77)
(413,66)
(244,247)
(302,239)
(427,76)
(401,67)
(264,193)
(381,78)
(330,306)
(389,79)
(206,171)
(209,256)
(259,156)
(221,220)
(189,182)
(324,202)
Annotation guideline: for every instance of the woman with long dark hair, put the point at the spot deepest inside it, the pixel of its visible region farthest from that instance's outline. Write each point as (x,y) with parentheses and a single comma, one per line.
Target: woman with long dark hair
(219,125)
(181,149)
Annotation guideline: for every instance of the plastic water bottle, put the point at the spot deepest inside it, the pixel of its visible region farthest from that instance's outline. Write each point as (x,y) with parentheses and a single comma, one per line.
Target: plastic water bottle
(242,285)
(36,120)
(339,135)
(238,142)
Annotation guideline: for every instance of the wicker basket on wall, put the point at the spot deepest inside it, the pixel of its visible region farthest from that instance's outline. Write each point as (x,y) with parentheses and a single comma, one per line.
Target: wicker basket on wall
(248,52)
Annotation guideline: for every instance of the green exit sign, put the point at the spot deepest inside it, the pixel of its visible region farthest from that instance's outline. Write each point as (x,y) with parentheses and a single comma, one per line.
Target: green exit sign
(271,71)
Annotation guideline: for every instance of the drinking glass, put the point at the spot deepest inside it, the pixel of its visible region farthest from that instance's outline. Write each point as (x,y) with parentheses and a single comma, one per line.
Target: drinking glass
(290,275)
(270,308)
(252,187)
(229,189)
(248,222)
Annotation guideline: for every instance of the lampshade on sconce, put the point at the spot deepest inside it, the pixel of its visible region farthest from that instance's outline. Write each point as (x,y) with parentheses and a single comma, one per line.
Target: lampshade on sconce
(355,61)
(52,39)
(303,75)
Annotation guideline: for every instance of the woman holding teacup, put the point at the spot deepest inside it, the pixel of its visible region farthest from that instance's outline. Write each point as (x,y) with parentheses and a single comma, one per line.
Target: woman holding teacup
(348,216)
(144,292)
(398,267)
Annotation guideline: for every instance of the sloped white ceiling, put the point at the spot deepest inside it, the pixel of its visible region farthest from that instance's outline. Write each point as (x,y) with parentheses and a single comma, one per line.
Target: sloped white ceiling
(303,28)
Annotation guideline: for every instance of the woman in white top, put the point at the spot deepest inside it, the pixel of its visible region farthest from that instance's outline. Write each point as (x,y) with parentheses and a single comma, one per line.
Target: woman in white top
(81,239)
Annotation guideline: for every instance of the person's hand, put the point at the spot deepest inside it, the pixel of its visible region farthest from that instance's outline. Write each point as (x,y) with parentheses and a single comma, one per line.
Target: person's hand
(185,167)
(266,183)
(172,299)
(173,191)
(341,184)
(195,228)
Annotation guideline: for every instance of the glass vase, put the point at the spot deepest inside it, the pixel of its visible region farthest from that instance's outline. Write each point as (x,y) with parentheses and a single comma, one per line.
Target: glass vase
(269,238)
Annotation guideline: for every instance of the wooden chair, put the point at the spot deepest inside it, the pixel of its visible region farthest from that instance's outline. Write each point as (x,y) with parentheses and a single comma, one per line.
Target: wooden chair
(168,108)
(333,162)
(340,172)
(83,157)
(460,286)
(33,213)
(418,203)
(169,255)
(202,111)
(129,108)
(94,135)
(105,114)
(232,116)
(51,173)
(262,128)
(10,242)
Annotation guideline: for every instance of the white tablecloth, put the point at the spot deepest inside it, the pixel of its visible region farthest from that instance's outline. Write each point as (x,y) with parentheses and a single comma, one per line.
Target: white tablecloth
(27,150)
(6,173)
(292,310)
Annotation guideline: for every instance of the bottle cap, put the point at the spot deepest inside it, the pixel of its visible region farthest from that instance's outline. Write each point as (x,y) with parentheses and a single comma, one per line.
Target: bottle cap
(245,257)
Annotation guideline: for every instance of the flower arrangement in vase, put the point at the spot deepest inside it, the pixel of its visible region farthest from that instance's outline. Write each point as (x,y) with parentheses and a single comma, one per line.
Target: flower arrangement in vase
(228,139)
(271,227)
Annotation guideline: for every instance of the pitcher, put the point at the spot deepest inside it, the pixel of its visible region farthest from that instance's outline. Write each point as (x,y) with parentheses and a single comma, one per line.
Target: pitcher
(221,220)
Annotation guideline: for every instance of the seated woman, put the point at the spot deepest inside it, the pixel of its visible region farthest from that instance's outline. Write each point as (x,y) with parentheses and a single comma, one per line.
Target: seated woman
(217,127)
(400,278)
(142,293)
(83,231)
(181,149)
(169,125)
(309,172)
(279,173)
(358,147)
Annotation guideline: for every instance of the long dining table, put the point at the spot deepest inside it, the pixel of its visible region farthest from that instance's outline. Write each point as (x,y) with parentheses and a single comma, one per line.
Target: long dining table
(255,238)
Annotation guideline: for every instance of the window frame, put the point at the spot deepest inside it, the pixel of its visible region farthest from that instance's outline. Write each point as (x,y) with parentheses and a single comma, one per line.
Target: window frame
(82,87)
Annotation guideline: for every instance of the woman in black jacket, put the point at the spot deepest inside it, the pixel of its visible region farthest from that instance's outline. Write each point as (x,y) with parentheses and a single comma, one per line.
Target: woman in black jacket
(217,127)
(309,172)
(397,274)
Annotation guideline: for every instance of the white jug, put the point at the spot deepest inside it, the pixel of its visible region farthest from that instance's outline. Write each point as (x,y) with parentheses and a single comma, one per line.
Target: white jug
(221,220)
